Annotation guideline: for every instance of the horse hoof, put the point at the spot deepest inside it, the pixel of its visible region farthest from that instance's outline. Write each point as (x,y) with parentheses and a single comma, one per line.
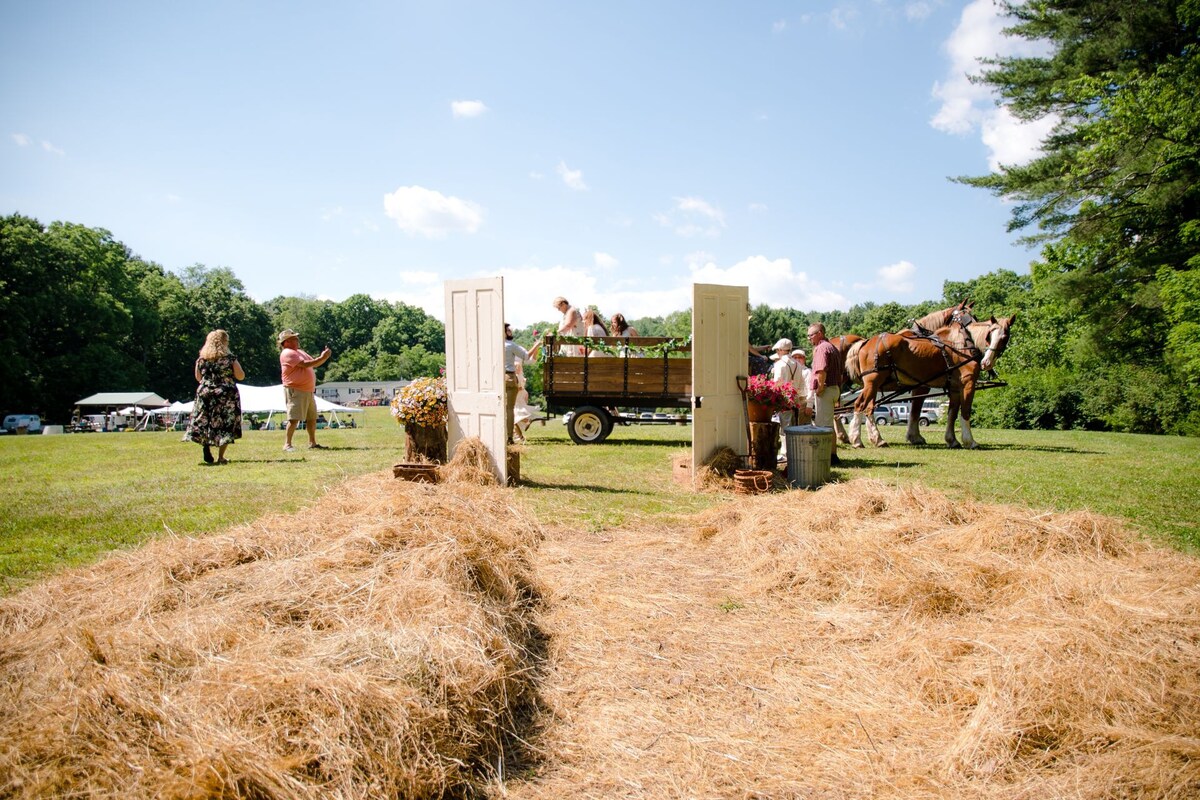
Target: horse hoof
(859,446)
(883,444)
(954,445)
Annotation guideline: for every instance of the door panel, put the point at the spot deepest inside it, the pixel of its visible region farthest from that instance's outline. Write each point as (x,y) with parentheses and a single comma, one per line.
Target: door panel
(720,335)
(475,366)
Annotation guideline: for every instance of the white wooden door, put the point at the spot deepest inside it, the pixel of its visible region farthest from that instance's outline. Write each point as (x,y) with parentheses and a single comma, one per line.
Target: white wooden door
(475,366)
(720,335)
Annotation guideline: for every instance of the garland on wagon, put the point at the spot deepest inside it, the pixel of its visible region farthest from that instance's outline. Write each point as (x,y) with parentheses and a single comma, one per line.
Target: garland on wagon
(422,402)
(619,350)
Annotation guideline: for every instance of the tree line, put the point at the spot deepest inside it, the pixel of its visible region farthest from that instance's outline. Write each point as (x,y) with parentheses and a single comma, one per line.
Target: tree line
(83,314)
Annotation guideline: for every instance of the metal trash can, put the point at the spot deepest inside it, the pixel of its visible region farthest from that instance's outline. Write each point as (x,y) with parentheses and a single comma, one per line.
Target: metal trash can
(809,448)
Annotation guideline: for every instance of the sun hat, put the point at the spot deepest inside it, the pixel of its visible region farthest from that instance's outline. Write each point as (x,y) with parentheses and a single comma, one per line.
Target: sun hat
(783,344)
(285,334)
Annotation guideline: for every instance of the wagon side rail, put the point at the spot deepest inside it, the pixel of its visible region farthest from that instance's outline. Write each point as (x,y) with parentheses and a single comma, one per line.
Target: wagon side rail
(617,371)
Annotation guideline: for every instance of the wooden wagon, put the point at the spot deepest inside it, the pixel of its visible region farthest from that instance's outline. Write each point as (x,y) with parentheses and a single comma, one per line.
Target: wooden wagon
(614,373)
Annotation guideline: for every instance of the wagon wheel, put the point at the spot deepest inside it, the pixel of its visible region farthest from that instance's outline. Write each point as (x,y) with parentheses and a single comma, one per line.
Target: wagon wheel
(590,425)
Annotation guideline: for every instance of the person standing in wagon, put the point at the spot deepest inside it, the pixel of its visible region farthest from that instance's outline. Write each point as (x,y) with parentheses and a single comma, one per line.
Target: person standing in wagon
(571,325)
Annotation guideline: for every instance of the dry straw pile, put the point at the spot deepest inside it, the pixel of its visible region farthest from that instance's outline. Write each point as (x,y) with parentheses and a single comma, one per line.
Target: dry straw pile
(376,646)
(945,648)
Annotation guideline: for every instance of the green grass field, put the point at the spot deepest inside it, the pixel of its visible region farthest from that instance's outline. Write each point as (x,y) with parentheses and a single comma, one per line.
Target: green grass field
(70,499)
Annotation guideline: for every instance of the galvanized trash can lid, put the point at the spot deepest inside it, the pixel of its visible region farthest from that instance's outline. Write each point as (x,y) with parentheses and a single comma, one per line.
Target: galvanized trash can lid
(806,430)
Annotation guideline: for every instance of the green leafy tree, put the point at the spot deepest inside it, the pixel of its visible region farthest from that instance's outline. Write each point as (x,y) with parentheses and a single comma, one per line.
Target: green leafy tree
(219,300)
(75,318)
(1117,188)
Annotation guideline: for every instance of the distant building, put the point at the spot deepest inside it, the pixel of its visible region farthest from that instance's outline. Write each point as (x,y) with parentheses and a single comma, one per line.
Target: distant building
(360,393)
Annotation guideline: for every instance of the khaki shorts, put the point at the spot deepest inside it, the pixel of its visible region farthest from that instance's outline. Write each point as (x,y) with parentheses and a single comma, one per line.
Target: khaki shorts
(301,405)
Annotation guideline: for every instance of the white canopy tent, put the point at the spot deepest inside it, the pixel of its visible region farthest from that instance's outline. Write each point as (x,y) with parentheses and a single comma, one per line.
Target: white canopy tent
(269,400)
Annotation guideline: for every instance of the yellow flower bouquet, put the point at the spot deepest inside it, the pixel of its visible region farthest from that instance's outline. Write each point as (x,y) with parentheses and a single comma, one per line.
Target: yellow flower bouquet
(422,402)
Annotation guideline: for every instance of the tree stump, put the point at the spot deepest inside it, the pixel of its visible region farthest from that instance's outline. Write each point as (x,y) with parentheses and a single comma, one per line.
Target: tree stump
(764,445)
(423,443)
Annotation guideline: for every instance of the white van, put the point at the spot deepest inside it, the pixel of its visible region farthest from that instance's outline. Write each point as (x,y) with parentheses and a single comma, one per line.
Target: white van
(32,423)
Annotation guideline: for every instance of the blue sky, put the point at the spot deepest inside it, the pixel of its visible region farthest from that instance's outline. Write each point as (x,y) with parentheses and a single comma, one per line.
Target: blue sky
(610,152)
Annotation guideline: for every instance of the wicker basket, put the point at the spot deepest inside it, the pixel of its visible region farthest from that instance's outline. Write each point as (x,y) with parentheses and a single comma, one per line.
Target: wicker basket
(417,473)
(752,481)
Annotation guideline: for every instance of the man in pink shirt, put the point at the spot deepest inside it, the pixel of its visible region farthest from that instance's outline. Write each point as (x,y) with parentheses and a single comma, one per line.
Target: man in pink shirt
(299,386)
(824,381)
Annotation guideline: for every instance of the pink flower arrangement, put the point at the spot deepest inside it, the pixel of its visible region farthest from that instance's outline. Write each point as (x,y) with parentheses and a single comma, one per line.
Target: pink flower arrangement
(780,396)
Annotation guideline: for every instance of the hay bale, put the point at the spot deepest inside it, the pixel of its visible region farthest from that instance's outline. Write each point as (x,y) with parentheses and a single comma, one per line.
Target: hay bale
(470,464)
(979,646)
(377,645)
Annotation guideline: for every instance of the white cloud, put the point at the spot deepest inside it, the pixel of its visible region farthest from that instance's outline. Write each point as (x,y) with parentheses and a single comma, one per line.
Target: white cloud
(917,11)
(1011,141)
(780,26)
(842,18)
(692,216)
(573,178)
(891,279)
(758,208)
(332,213)
(51,149)
(967,107)
(467,108)
(537,176)
(173,199)
(605,261)
(529,289)
(21,139)
(772,281)
(418,277)
(425,212)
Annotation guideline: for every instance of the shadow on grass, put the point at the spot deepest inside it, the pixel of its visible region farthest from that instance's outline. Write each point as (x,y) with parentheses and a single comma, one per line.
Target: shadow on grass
(579,487)
(648,442)
(847,463)
(1035,448)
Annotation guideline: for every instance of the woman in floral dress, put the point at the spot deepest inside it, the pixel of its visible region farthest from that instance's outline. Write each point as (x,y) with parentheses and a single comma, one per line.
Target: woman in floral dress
(217,416)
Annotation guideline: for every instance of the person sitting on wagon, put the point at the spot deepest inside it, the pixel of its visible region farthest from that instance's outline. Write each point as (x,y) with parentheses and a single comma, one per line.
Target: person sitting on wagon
(593,325)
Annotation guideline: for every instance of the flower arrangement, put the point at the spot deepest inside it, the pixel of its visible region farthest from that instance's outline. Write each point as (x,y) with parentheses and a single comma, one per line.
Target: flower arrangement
(778,395)
(422,402)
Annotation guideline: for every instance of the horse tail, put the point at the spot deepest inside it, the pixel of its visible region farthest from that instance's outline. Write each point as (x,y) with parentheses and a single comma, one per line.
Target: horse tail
(853,368)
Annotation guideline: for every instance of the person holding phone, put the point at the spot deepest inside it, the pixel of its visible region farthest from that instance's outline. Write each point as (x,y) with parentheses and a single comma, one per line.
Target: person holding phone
(298,370)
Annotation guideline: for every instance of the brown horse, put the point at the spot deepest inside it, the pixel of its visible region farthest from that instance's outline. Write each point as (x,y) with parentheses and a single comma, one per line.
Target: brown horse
(847,347)
(952,360)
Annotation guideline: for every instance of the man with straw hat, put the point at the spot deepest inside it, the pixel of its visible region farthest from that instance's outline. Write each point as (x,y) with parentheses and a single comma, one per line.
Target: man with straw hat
(298,370)
(785,370)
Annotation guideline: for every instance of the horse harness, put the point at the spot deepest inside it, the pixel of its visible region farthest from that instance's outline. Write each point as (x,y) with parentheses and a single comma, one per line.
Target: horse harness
(884,362)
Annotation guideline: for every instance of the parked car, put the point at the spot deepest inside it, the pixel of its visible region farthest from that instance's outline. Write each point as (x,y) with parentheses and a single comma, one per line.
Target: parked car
(884,415)
(32,423)
(929,415)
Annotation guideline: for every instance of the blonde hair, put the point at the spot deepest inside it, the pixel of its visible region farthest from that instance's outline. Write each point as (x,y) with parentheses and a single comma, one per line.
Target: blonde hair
(215,345)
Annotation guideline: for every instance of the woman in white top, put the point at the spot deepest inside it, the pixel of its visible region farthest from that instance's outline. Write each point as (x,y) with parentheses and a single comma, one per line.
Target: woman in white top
(622,328)
(571,325)
(593,325)
(787,369)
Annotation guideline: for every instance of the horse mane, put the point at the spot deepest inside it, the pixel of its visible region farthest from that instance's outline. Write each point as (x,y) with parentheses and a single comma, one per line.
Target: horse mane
(977,331)
(937,320)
